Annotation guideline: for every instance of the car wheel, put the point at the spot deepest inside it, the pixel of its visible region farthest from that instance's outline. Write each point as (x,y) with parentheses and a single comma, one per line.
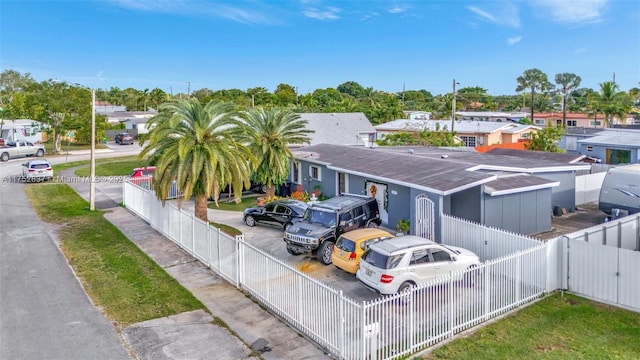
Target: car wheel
(40,153)
(405,289)
(293,252)
(4,157)
(287,226)
(471,275)
(324,253)
(250,221)
(372,224)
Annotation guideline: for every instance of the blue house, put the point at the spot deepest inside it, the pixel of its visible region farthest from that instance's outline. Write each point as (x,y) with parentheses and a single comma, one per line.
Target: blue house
(419,183)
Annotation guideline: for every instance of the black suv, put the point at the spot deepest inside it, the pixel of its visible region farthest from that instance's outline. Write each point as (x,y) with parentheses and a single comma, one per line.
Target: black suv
(124,139)
(324,222)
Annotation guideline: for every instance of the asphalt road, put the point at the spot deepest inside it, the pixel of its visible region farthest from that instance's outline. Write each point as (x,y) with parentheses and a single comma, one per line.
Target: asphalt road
(44,312)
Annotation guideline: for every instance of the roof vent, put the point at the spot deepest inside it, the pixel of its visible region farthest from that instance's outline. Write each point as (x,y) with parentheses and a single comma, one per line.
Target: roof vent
(444,156)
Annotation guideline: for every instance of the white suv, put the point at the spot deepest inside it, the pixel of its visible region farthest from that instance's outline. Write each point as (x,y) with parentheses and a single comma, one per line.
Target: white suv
(36,171)
(389,267)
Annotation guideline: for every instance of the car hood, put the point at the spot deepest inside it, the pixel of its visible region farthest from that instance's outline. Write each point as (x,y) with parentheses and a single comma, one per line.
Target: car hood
(304,228)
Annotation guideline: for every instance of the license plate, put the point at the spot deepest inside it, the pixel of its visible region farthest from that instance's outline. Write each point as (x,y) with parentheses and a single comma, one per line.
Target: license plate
(341,253)
(368,272)
(40,171)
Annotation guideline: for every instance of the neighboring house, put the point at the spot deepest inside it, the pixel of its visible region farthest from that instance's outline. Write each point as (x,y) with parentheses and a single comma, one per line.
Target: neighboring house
(105,107)
(610,145)
(417,115)
(579,120)
(471,133)
(340,128)
(513,193)
(23,129)
(139,124)
(497,116)
(116,117)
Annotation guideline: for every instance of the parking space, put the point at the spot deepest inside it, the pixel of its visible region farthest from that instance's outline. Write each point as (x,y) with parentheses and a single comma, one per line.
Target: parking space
(270,240)
(585,216)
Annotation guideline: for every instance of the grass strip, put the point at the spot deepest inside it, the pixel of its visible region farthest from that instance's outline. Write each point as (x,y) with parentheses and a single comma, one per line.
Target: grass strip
(562,326)
(117,275)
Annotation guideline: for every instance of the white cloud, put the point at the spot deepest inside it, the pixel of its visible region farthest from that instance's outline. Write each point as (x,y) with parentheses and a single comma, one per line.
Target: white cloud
(505,14)
(197,8)
(576,11)
(514,40)
(330,13)
(397,9)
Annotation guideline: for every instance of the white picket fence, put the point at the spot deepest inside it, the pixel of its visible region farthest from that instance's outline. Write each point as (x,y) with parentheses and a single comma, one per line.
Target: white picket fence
(515,271)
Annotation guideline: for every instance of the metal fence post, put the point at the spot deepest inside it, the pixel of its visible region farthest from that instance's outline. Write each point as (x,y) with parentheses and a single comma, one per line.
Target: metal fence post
(486,289)
(518,276)
(341,330)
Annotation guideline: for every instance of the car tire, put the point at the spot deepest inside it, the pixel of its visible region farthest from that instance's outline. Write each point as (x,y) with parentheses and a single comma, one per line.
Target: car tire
(324,252)
(405,288)
(372,224)
(470,276)
(250,221)
(4,157)
(286,226)
(293,252)
(40,153)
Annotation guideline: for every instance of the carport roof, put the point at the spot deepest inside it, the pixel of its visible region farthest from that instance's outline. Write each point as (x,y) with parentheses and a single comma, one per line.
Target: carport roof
(436,170)
(538,155)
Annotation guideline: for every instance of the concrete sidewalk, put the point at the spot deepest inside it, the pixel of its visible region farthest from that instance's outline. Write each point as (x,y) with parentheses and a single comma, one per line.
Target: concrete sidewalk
(201,339)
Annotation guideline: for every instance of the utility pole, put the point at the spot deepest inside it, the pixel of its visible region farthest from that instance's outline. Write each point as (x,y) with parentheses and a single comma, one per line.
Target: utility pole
(453,105)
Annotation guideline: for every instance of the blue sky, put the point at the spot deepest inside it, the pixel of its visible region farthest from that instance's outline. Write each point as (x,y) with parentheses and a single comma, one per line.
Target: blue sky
(177,45)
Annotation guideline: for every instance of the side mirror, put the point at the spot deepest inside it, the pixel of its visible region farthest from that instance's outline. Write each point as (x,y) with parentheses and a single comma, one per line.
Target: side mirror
(25,164)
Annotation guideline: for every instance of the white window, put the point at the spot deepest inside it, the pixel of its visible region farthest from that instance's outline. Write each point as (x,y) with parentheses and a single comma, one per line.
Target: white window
(572,122)
(539,122)
(314,173)
(469,140)
(589,148)
(595,123)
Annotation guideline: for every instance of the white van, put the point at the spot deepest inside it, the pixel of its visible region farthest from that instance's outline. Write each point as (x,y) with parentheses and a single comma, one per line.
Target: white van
(621,189)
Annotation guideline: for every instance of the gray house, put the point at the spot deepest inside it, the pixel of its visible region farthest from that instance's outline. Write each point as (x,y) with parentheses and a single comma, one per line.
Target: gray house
(340,128)
(420,183)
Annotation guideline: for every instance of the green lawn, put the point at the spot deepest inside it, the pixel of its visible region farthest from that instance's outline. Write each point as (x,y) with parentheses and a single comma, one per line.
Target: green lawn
(230,205)
(561,326)
(116,274)
(120,166)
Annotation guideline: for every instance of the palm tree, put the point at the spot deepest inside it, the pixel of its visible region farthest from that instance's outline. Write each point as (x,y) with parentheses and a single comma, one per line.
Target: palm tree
(568,83)
(612,102)
(268,133)
(196,147)
(533,79)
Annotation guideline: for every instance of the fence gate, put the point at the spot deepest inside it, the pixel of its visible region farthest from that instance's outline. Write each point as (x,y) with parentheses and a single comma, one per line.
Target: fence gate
(424,217)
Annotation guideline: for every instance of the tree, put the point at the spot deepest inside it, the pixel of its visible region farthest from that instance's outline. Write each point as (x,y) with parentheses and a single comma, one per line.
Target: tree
(612,102)
(268,133)
(547,139)
(533,80)
(352,88)
(568,82)
(286,95)
(197,147)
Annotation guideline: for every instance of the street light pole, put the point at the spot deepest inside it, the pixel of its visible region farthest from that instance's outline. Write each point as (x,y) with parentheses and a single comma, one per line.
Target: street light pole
(92,185)
(453,105)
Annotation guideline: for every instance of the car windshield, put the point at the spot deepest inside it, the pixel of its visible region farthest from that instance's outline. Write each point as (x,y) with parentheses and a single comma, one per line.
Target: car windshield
(345,244)
(326,218)
(40,166)
(381,261)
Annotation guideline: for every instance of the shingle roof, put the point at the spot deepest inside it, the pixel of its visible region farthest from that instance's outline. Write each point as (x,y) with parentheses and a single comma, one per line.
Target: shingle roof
(520,182)
(424,167)
(338,128)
